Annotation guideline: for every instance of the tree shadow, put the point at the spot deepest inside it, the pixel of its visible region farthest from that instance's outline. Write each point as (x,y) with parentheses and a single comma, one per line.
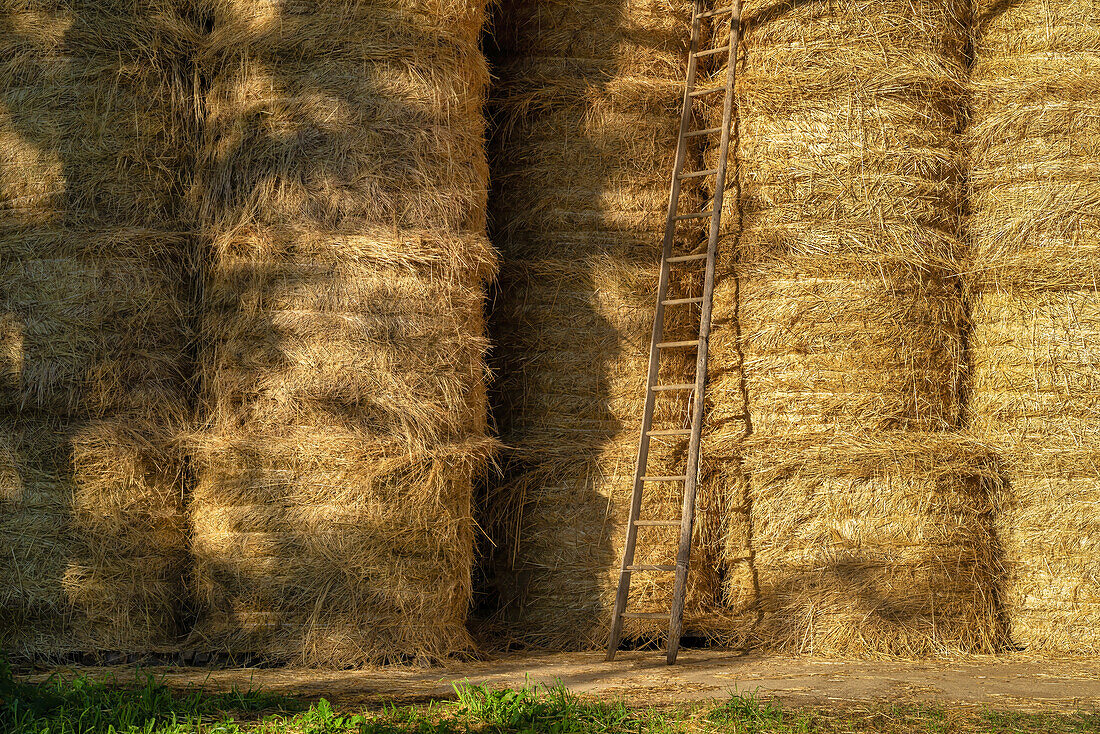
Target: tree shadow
(578,216)
(340,201)
(96,362)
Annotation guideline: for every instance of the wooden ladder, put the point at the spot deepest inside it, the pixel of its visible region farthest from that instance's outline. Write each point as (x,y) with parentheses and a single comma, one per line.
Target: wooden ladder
(658,346)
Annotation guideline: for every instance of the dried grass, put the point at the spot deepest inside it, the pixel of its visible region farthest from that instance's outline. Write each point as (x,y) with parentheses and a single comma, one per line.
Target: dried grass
(876,544)
(93,325)
(839,337)
(586,116)
(1035,230)
(342,199)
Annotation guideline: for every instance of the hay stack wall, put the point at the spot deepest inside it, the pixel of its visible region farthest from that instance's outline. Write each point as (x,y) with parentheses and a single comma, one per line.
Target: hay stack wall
(1035,231)
(94,134)
(342,202)
(586,113)
(865,527)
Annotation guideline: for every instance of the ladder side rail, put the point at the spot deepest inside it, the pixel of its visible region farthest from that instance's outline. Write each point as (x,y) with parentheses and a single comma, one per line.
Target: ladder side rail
(654,352)
(688,517)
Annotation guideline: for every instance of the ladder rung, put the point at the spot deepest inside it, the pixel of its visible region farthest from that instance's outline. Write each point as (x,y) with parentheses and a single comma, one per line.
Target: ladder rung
(696,215)
(708,131)
(670,432)
(719,11)
(677,386)
(650,568)
(678,301)
(697,174)
(647,615)
(687,258)
(668,345)
(679,478)
(703,92)
(712,51)
(658,523)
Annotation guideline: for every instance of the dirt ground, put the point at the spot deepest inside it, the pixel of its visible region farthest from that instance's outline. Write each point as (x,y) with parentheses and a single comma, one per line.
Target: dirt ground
(1005,683)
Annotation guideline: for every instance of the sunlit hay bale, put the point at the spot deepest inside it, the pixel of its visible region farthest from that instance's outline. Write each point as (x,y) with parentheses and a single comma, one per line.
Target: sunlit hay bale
(1033,146)
(837,308)
(312,544)
(850,207)
(1034,399)
(94,139)
(835,351)
(1035,233)
(873,545)
(342,199)
(586,113)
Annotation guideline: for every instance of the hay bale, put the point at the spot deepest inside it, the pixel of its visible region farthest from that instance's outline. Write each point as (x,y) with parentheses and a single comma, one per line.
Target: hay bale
(842,320)
(587,117)
(1035,233)
(851,201)
(93,266)
(878,545)
(342,202)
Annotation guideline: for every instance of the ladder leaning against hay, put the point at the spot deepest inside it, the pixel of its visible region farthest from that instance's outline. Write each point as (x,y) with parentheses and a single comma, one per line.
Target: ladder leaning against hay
(694,390)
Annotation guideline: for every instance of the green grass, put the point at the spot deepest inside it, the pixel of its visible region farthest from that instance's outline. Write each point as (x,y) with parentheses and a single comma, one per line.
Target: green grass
(80,705)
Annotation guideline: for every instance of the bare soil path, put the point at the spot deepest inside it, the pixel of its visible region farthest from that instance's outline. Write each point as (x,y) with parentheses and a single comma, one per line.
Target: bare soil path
(1006,683)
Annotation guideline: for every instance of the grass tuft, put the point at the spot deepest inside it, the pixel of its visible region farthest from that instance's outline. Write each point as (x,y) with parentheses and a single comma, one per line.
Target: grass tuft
(554,710)
(81,705)
(747,713)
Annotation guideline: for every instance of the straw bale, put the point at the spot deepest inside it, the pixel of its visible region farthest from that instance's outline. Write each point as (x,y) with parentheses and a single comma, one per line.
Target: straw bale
(586,116)
(93,263)
(315,544)
(1035,232)
(1034,399)
(877,544)
(839,327)
(341,199)
(572,388)
(845,236)
(91,526)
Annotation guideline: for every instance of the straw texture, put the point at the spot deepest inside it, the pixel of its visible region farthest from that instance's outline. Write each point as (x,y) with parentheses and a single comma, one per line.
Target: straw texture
(342,201)
(1035,232)
(586,114)
(843,323)
(95,130)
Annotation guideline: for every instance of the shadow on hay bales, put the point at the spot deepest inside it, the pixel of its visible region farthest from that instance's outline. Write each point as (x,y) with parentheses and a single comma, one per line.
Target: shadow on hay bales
(555,351)
(586,116)
(342,201)
(93,140)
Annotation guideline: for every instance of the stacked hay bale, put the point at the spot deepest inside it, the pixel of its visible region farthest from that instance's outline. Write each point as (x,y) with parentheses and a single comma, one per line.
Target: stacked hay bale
(1035,230)
(587,116)
(869,527)
(94,132)
(342,198)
